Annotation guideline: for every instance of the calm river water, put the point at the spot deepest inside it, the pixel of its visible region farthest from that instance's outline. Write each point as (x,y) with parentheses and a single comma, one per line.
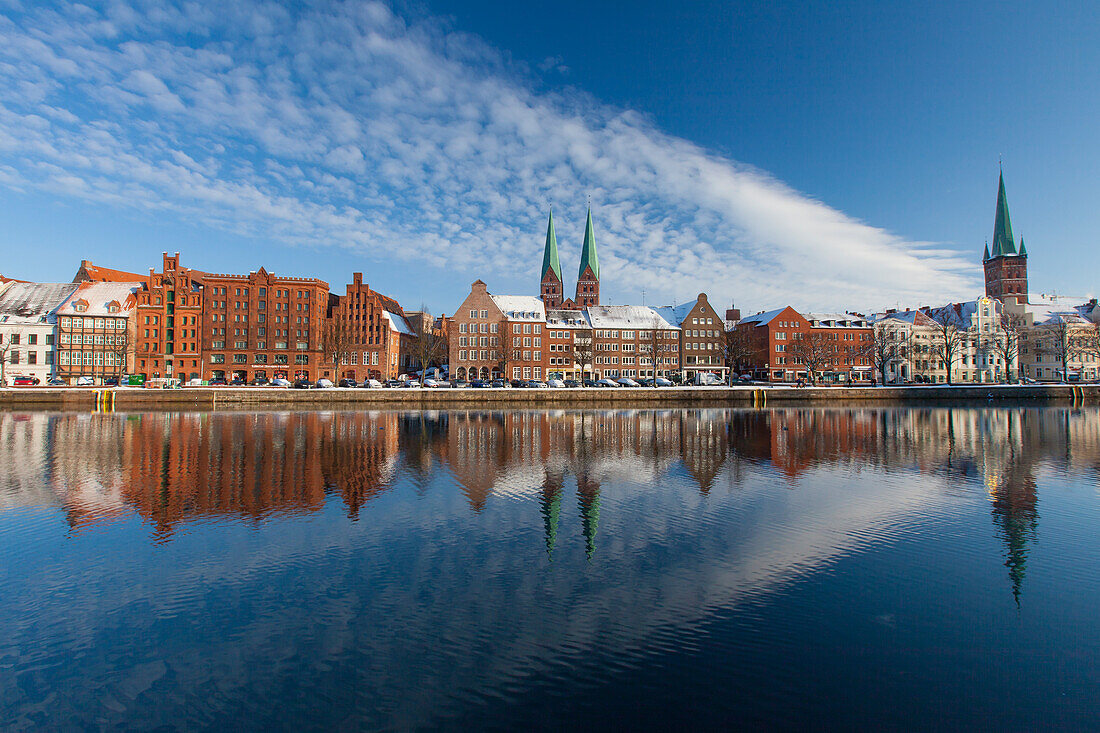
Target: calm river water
(789,568)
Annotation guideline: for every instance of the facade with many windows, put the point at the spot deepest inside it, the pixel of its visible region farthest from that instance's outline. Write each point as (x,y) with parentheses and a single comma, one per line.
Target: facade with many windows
(263,325)
(28,324)
(368,334)
(96,332)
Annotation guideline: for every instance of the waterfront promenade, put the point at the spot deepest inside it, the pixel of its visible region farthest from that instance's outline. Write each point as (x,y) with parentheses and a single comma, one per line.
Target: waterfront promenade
(67,398)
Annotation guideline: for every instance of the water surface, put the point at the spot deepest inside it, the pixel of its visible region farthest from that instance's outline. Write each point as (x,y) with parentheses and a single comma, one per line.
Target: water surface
(834,568)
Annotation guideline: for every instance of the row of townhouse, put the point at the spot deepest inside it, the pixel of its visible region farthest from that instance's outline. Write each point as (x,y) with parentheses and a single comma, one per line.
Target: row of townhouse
(518,337)
(181,324)
(787,346)
(538,337)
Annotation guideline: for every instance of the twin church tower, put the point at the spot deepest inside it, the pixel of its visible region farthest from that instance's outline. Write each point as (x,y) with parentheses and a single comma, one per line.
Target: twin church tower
(588,276)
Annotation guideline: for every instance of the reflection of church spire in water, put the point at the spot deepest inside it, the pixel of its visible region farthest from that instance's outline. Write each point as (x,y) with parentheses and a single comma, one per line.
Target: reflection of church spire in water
(588,494)
(1014,499)
(550,502)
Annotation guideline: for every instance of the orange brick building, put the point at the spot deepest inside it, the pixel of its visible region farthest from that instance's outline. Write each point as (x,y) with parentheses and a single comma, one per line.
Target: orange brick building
(367,333)
(775,334)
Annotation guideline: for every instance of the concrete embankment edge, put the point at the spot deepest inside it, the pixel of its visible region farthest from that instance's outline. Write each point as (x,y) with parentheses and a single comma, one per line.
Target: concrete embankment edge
(200,398)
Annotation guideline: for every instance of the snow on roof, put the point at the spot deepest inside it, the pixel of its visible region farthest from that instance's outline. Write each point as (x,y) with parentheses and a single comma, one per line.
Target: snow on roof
(676,314)
(398,323)
(836,320)
(628,317)
(520,307)
(99,295)
(1047,315)
(23,302)
(567,319)
(916,318)
(762,319)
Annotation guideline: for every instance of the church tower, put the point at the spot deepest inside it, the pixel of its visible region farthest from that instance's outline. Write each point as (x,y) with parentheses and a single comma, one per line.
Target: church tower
(1005,267)
(551,288)
(588,277)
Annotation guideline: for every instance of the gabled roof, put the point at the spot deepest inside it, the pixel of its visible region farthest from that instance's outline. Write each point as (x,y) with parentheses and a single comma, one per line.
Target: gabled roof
(97,273)
(762,319)
(520,307)
(916,318)
(99,295)
(23,302)
(398,323)
(676,313)
(588,250)
(550,260)
(1003,243)
(628,317)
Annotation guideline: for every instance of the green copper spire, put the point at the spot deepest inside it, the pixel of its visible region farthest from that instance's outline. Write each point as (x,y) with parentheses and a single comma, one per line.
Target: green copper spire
(588,250)
(550,254)
(1003,243)
(1023,249)
(986,255)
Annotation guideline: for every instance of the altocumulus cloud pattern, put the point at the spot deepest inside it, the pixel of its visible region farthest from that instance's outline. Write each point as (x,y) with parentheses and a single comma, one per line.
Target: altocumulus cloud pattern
(344,124)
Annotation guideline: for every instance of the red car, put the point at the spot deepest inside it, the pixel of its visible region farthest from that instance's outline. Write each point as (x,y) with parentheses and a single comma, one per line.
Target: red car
(24,381)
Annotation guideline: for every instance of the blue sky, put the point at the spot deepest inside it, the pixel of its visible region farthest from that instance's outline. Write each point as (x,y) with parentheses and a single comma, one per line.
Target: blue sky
(827,155)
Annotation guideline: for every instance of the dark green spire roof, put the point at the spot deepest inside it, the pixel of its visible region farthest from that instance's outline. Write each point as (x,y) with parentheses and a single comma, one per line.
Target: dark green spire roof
(986,255)
(588,250)
(1003,243)
(1023,249)
(550,253)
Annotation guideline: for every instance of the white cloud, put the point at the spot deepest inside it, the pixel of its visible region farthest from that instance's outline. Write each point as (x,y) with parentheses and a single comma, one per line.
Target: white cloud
(342,124)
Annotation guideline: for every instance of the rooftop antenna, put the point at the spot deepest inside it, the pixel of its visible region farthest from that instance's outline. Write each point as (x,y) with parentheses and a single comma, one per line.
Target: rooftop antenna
(643,296)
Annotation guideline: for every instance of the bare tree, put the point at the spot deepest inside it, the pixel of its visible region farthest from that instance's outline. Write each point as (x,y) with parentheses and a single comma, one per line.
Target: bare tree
(581,350)
(947,338)
(1062,341)
(652,343)
(1005,342)
(814,350)
(885,346)
(739,349)
(337,339)
(5,347)
(119,347)
(431,343)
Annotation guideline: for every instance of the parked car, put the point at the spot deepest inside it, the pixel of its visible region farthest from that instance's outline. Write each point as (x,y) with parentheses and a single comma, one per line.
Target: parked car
(572,383)
(280,382)
(432,383)
(302,383)
(110,382)
(410,384)
(627,382)
(555,383)
(345,382)
(478,384)
(605,382)
(500,384)
(536,384)
(371,384)
(259,382)
(85,382)
(323,384)
(662,382)
(56,382)
(391,383)
(24,381)
(237,382)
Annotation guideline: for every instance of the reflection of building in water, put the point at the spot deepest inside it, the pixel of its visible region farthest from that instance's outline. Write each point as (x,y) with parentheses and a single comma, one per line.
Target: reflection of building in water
(172,468)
